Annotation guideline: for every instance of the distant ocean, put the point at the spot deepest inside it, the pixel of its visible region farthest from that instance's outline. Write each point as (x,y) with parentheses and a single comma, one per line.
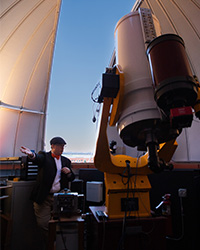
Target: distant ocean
(77,157)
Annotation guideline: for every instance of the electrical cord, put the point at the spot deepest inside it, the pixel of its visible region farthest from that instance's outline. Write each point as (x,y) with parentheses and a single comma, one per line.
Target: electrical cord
(104,234)
(134,189)
(182,224)
(95,88)
(61,232)
(96,112)
(128,182)
(127,169)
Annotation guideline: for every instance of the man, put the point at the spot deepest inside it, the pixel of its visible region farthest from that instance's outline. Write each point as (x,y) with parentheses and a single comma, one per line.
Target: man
(54,173)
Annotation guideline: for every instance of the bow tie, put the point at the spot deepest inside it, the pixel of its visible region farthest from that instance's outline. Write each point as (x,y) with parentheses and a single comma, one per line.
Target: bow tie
(55,156)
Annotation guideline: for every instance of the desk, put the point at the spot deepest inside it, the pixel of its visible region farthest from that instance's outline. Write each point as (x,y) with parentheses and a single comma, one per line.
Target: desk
(52,230)
(142,233)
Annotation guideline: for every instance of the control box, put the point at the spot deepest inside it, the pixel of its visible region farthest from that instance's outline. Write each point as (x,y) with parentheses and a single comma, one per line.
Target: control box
(70,202)
(94,191)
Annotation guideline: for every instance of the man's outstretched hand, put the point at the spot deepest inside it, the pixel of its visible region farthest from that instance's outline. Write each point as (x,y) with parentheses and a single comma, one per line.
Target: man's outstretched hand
(26,151)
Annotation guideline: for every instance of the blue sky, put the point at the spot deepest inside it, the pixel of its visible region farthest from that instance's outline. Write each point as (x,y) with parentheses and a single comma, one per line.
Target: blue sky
(83,49)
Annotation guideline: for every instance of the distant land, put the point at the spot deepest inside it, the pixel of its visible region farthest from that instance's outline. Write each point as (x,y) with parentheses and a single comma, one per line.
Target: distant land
(79,157)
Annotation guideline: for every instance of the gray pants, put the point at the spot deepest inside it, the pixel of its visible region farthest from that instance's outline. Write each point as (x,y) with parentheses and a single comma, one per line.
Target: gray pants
(43,215)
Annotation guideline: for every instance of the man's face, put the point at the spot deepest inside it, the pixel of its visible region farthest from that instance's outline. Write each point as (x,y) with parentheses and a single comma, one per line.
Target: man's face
(57,149)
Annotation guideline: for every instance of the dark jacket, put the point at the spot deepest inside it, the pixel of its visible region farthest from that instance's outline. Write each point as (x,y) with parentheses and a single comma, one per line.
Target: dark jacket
(46,174)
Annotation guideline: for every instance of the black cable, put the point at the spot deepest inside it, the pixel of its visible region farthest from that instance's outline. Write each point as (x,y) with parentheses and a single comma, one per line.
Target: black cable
(128,183)
(61,232)
(182,224)
(135,191)
(104,233)
(121,242)
(95,99)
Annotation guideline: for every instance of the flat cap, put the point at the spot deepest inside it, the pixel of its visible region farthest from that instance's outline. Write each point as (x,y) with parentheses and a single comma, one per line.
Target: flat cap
(57,140)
